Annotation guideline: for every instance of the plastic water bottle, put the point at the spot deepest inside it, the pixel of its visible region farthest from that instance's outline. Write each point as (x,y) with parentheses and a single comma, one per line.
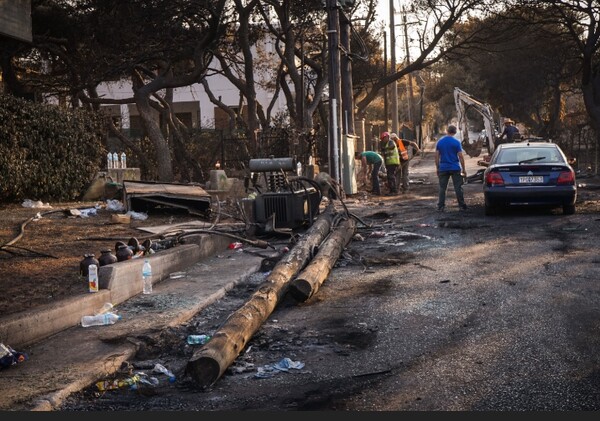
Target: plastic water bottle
(115,160)
(198,339)
(93,278)
(123,160)
(298,168)
(109,162)
(147,277)
(100,319)
(159,368)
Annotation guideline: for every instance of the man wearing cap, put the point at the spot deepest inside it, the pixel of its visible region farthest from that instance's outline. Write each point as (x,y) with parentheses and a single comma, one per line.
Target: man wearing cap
(510,132)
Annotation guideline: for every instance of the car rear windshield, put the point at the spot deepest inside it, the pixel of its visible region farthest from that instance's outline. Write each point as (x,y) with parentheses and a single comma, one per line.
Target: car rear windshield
(542,155)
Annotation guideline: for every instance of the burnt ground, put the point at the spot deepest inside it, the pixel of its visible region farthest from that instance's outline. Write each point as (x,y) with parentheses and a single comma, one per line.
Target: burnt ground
(332,341)
(41,263)
(45,267)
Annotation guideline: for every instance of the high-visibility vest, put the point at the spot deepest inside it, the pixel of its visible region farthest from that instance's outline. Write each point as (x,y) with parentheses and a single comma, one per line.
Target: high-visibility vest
(402,149)
(391,154)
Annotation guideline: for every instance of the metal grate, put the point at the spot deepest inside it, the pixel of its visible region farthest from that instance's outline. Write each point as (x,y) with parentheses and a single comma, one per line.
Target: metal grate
(278,205)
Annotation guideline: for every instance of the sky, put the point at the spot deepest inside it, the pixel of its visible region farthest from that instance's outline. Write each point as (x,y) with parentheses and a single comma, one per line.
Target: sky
(383,10)
(383,13)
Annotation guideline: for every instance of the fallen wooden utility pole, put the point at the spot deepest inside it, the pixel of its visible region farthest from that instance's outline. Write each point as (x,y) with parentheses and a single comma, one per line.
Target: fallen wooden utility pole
(209,363)
(307,283)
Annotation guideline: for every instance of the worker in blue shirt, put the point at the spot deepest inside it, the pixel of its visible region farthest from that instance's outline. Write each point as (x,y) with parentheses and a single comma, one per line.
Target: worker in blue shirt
(450,164)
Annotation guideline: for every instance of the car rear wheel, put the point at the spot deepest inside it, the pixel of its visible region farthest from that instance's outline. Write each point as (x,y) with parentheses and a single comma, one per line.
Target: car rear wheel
(568,209)
(490,210)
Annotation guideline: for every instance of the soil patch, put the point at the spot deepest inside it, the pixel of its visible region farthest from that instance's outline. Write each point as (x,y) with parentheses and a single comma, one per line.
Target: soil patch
(40,264)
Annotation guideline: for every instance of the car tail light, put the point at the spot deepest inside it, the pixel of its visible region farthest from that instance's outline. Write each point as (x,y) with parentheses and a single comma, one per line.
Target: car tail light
(566,178)
(494,179)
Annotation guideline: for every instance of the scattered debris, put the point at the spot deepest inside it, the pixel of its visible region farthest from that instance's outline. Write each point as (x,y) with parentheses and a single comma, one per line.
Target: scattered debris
(159,368)
(285,364)
(141,196)
(10,357)
(104,385)
(28,203)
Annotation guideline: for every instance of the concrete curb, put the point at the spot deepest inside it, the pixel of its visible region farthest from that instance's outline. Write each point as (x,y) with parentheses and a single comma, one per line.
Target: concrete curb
(118,282)
(74,358)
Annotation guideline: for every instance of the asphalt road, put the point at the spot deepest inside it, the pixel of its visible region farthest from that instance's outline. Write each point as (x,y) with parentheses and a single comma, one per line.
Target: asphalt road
(424,311)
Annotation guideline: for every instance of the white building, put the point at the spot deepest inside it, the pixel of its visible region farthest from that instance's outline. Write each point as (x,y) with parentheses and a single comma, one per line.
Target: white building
(192,104)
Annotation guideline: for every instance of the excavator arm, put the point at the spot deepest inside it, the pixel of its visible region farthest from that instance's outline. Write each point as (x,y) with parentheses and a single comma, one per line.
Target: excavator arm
(464,102)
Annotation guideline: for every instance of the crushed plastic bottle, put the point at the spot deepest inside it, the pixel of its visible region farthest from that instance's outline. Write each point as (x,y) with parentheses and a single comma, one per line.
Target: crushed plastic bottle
(148,380)
(100,319)
(198,339)
(236,245)
(159,368)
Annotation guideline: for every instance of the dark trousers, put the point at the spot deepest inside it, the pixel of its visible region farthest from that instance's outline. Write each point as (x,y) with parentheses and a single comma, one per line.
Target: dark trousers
(391,178)
(457,182)
(375,177)
(402,176)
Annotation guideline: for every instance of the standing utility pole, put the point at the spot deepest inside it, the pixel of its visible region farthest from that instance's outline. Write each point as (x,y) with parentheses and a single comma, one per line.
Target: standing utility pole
(335,90)
(409,87)
(393,69)
(303,87)
(385,88)
(346,73)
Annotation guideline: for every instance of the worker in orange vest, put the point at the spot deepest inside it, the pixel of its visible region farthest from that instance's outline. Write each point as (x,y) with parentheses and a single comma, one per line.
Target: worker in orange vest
(402,172)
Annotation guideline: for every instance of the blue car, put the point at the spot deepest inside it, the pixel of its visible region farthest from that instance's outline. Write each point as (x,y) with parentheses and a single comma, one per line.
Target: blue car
(529,174)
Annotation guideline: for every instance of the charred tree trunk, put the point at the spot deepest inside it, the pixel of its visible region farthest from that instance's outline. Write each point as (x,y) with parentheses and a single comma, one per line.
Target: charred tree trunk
(307,283)
(162,151)
(209,363)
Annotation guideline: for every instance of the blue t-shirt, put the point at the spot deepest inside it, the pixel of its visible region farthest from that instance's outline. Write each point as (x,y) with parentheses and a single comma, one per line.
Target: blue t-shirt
(449,147)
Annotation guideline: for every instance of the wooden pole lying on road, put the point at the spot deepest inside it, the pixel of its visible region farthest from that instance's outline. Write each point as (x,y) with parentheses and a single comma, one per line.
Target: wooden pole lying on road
(209,363)
(307,283)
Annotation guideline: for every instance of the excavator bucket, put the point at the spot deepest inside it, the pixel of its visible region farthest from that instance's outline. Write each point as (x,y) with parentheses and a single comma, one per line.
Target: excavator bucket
(472,149)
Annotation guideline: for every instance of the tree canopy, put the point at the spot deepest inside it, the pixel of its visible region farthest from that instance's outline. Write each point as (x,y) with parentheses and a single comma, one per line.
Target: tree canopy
(520,56)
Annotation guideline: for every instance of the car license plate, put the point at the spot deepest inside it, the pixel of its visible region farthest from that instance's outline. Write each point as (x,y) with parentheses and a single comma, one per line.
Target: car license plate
(532,179)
